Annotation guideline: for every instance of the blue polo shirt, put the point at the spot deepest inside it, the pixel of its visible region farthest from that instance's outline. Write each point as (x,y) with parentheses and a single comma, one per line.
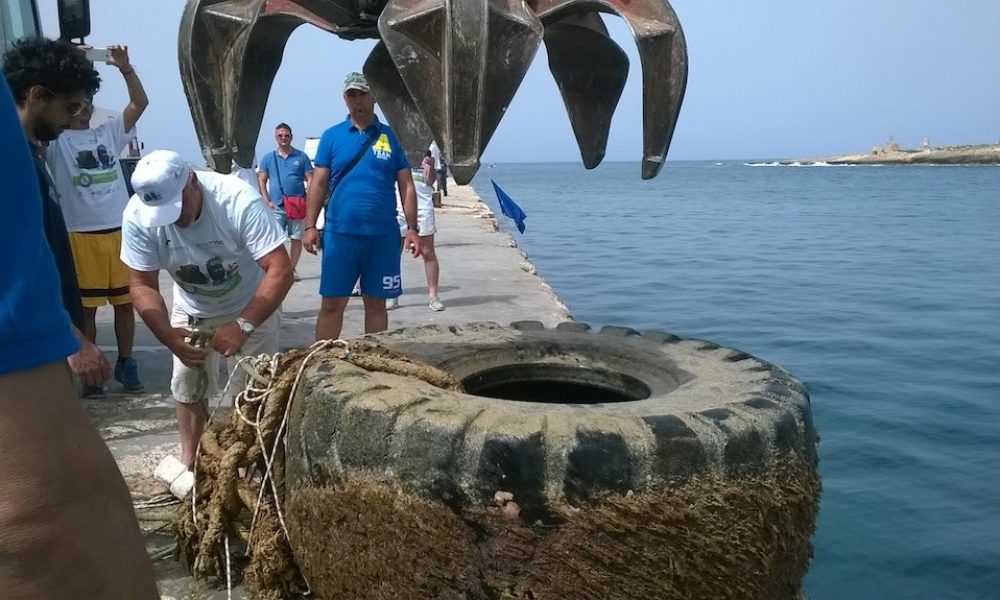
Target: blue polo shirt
(289,171)
(364,203)
(34,327)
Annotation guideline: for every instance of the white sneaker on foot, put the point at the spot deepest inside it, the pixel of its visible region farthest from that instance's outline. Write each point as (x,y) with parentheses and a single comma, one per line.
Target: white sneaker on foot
(391,303)
(436,305)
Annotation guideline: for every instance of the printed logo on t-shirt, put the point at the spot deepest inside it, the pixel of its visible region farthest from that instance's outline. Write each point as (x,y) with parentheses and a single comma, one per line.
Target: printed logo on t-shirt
(96,166)
(382,148)
(219,280)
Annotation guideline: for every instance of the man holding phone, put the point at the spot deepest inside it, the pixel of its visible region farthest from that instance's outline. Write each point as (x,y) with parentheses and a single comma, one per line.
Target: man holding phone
(93,195)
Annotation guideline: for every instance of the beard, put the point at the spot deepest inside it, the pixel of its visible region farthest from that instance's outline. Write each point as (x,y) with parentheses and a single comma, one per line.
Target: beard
(47,132)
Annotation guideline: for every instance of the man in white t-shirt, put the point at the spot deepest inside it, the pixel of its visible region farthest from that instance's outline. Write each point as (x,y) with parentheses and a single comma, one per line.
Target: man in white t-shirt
(92,195)
(226,255)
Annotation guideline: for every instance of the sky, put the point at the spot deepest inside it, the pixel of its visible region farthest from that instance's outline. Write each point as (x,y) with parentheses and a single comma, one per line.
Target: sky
(767,79)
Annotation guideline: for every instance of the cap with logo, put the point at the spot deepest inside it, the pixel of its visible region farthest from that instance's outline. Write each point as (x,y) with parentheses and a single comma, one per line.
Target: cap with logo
(158,180)
(356,81)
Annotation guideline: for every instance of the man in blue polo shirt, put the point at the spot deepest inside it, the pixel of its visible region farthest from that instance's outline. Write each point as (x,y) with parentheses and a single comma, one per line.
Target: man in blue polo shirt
(283,174)
(359,163)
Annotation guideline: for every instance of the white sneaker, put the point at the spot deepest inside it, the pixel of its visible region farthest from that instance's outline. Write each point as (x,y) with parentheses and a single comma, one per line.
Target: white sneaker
(436,305)
(391,303)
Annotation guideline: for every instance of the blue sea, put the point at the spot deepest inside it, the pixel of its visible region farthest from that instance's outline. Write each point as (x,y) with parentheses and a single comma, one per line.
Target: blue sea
(878,287)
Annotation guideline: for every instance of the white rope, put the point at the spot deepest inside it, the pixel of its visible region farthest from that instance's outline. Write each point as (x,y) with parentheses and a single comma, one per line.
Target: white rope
(229,574)
(260,388)
(197,449)
(269,460)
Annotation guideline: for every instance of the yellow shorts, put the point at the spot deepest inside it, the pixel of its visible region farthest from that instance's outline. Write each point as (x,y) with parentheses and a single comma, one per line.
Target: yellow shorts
(100,272)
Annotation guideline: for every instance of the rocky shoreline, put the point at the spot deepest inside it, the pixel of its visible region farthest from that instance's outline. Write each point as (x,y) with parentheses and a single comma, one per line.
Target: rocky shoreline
(980,154)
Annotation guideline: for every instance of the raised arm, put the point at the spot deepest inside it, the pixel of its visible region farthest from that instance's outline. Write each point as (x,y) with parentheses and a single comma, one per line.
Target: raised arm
(137,100)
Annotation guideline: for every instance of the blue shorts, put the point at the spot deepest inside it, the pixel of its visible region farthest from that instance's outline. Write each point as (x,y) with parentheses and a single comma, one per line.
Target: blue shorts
(373,258)
(294,229)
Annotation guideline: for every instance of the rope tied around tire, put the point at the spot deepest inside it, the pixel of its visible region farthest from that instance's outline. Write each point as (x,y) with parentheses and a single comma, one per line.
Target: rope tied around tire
(240,466)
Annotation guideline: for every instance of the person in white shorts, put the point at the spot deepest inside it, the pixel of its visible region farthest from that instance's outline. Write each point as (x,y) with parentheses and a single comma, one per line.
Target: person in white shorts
(423,181)
(226,255)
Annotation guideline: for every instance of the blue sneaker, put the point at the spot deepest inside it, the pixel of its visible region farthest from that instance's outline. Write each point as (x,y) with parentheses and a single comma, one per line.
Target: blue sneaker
(93,391)
(127,374)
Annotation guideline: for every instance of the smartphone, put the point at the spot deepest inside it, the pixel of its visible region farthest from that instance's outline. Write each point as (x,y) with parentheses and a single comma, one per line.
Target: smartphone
(98,55)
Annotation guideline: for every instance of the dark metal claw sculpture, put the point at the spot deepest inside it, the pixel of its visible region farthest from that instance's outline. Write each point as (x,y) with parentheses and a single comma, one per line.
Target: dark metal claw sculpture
(444,70)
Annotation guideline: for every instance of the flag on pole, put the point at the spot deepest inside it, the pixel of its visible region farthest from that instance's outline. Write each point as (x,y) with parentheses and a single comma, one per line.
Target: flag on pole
(509,208)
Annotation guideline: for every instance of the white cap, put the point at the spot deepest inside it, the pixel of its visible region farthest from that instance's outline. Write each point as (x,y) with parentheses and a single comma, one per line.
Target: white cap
(158,180)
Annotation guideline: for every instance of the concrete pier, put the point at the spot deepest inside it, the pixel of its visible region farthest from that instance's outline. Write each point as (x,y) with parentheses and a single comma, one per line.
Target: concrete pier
(484,277)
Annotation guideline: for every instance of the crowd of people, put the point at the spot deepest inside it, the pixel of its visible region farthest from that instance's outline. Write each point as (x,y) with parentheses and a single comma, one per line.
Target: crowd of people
(80,241)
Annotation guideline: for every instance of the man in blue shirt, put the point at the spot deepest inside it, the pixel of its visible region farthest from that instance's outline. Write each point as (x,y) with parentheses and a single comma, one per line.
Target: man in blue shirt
(359,163)
(62,495)
(284,173)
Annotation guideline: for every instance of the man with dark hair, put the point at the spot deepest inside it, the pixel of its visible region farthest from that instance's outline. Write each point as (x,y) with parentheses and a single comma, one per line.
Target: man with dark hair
(51,81)
(283,176)
(67,528)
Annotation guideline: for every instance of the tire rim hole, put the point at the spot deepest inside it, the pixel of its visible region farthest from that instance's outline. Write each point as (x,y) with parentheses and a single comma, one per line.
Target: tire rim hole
(555,384)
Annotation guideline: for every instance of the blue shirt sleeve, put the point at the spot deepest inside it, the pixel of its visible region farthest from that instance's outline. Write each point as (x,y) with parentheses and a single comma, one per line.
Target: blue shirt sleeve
(398,152)
(265,163)
(307,166)
(324,152)
(34,326)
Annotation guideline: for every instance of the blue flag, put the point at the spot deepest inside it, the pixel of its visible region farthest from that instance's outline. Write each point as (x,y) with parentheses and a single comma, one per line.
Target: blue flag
(509,208)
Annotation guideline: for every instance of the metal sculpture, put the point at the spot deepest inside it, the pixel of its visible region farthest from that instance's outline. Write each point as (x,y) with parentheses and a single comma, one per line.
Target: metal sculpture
(443,70)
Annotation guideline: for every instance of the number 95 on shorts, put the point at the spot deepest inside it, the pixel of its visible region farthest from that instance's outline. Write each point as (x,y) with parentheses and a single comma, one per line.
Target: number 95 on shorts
(373,258)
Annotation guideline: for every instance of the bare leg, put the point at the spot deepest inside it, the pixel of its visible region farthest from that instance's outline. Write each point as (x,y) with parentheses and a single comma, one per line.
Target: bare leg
(90,324)
(330,319)
(431,267)
(191,419)
(67,528)
(124,329)
(295,252)
(376,317)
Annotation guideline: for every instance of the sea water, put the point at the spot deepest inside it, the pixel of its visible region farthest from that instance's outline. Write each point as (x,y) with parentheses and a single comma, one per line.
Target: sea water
(878,287)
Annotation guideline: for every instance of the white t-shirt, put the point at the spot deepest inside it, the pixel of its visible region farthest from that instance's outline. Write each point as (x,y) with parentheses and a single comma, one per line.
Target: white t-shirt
(213,261)
(249,174)
(87,175)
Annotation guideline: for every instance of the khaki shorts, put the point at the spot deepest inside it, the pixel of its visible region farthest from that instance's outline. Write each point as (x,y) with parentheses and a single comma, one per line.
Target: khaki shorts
(100,273)
(184,382)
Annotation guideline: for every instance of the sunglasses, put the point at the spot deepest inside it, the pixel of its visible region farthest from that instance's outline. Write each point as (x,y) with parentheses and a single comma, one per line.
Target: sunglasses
(73,108)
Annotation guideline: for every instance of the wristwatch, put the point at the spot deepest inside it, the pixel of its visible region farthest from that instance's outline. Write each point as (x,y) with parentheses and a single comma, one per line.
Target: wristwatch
(413,228)
(245,326)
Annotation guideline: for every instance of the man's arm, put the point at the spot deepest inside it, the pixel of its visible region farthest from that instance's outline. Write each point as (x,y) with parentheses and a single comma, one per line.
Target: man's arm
(266,299)
(262,184)
(408,194)
(144,287)
(315,196)
(137,100)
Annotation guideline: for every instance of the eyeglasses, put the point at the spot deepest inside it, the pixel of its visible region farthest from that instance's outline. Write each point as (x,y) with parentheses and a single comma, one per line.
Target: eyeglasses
(73,108)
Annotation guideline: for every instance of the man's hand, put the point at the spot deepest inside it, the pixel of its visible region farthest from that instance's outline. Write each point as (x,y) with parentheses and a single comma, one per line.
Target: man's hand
(90,365)
(228,339)
(188,354)
(118,56)
(411,243)
(310,240)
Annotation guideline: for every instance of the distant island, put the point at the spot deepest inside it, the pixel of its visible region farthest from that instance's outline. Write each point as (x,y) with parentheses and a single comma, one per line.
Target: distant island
(892,154)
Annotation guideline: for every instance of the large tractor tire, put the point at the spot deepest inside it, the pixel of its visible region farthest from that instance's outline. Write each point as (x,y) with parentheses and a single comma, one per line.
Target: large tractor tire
(576,464)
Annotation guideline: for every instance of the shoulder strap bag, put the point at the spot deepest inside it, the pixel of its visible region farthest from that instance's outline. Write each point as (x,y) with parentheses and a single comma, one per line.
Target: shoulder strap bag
(295,206)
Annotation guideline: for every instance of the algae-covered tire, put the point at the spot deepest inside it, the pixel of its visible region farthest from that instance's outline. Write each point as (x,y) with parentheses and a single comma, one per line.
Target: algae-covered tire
(557,417)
